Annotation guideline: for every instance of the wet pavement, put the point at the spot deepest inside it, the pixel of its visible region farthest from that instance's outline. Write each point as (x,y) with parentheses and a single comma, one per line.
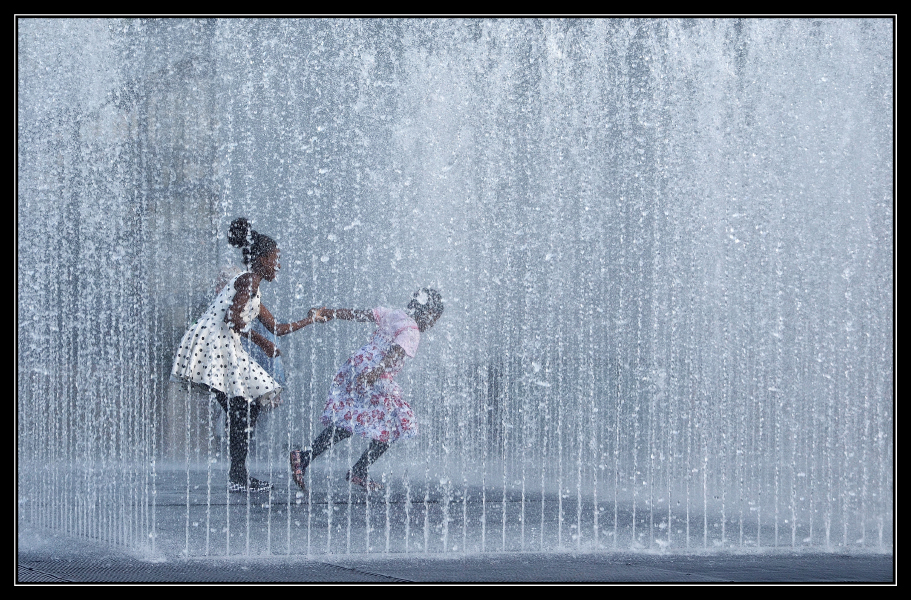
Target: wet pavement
(46,557)
(409,534)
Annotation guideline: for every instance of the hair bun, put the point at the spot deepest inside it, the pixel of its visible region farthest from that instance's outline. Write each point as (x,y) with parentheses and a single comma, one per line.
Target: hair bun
(240,234)
(427,300)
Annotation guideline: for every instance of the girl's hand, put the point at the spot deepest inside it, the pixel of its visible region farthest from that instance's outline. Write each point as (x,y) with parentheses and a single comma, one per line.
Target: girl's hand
(265,344)
(319,315)
(270,349)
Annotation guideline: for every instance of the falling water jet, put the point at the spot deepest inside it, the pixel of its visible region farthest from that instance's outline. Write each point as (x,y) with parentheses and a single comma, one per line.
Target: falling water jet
(704,195)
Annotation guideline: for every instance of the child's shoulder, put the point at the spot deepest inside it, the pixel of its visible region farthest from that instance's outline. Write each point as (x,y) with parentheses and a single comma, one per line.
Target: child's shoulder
(393,316)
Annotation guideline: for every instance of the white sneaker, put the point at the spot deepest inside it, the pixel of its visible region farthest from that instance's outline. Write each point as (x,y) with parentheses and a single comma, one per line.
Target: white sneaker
(254,485)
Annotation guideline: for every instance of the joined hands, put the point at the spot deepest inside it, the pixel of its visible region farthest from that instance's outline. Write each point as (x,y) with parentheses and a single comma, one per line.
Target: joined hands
(319,315)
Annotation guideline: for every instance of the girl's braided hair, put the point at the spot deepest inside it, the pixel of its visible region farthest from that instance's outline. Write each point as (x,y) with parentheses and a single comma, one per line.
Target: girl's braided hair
(427,300)
(252,243)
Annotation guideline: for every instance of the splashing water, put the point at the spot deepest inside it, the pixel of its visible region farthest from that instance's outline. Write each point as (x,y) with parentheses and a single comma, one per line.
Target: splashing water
(665,249)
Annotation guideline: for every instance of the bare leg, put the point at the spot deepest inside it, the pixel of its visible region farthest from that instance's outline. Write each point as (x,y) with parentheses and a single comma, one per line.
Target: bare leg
(370,455)
(241,421)
(301,459)
(323,441)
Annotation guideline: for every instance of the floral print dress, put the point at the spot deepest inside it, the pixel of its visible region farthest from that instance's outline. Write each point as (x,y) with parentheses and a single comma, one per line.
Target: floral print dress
(376,412)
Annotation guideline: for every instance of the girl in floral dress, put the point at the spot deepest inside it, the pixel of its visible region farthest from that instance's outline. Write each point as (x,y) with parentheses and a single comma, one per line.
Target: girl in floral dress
(364,398)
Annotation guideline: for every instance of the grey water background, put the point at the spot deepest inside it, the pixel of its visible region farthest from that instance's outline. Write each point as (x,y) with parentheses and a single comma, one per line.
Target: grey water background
(665,248)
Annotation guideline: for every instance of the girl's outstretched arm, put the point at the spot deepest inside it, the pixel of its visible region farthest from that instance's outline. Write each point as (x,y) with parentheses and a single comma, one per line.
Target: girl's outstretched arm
(315,315)
(349,314)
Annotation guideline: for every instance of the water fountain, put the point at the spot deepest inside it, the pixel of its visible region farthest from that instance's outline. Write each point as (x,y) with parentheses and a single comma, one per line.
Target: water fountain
(665,246)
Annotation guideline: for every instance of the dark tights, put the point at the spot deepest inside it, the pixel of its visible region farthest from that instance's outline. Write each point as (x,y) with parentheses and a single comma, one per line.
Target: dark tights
(241,421)
(331,435)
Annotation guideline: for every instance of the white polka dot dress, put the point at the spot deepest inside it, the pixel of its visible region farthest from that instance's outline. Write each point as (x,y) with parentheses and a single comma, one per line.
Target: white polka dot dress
(210,353)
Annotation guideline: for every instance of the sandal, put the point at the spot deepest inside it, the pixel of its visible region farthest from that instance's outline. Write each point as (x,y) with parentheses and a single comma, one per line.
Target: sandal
(366,483)
(297,469)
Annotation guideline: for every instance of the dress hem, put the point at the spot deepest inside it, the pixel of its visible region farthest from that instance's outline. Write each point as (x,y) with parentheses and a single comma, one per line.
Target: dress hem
(268,400)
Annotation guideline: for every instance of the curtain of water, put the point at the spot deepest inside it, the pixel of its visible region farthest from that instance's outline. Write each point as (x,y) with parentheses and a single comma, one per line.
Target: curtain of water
(665,248)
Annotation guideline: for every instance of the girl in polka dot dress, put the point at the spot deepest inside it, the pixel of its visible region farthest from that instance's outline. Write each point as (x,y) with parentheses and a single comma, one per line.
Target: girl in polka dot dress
(211,356)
